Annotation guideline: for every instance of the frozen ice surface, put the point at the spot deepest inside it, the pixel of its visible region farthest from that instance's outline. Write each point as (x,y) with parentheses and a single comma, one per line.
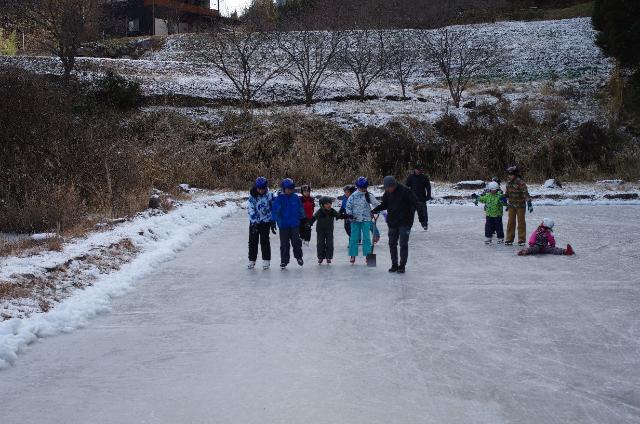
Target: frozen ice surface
(471,334)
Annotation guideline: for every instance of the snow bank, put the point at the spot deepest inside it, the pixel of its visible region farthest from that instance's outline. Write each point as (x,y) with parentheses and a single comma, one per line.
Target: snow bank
(158,237)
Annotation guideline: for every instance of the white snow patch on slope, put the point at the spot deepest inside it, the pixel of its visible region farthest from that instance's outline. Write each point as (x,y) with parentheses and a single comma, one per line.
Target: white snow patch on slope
(158,237)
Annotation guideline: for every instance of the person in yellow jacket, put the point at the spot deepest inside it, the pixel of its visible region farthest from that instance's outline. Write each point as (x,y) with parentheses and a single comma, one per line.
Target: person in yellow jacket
(518,200)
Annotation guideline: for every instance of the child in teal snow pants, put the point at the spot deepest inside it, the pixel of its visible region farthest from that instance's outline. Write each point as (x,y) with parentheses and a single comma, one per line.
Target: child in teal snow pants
(360,231)
(358,210)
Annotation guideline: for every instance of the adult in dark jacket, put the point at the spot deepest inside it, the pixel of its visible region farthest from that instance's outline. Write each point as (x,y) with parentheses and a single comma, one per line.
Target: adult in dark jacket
(421,186)
(400,202)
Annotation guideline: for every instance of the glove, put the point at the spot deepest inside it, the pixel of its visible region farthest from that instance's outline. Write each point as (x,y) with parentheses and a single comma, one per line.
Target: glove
(273,227)
(253,229)
(530,206)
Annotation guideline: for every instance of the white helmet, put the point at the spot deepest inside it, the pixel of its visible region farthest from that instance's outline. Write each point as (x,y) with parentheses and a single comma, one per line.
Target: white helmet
(548,223)
(493,186)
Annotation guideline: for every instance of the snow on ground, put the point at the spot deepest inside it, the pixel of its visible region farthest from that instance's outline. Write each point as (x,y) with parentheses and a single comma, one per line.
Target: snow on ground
(548,61)
(79,281)
(471,334)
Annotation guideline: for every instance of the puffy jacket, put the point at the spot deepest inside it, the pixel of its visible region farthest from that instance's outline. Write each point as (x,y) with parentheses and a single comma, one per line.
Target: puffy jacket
(287,210)
(308,204)
(542,236)
(359,206)
(517,193)
(420,185)
(401,206)
(493,204)
(259,206)
(325,219)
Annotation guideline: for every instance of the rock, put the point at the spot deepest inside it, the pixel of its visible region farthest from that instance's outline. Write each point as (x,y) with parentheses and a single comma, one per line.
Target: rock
(552,183)
(621,196)
(154,202)
(612,184)
(470,105)
(185,188)
(470,185)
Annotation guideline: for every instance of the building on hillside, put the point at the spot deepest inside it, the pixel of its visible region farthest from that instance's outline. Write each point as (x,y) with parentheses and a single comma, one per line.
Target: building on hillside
(159,17)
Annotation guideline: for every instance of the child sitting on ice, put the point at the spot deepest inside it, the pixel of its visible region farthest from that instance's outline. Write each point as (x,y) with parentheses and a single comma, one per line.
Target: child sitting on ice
(493,200)
(543,242)
(325,217)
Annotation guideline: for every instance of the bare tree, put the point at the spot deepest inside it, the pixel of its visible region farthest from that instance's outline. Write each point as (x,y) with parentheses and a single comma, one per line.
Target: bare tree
(310,55)
(363,53)
(461,55)
(403,57)
(247,59)
(67,24)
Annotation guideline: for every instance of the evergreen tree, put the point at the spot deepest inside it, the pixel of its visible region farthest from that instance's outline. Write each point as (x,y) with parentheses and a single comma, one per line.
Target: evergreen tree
(618,23)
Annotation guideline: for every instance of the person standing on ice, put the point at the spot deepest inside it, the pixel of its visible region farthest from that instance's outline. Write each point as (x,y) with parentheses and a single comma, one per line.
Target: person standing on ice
(400,202)
(309,205)
(358,210)
(421,186)
(325,218)
(518,200)
(287,212)
(260,222)
(493,200)
(543,242)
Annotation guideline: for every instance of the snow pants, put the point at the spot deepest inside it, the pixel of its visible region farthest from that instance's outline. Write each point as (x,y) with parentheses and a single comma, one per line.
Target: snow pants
(360,231)
(305,232)
(423,213)
(325,244)
(260,234)
(493,225)
(290,237)
(544,250)
(399,234)
(516,214)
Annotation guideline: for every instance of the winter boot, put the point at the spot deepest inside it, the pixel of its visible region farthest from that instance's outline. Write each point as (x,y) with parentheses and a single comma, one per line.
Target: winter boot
(320,261)
(508,243)
(328,261)
(266,264)
(252,264)
(488,241)
(300,261)
(394,268)
(569,251)
(352,259)
(400,269)
(283,265)
(425,226)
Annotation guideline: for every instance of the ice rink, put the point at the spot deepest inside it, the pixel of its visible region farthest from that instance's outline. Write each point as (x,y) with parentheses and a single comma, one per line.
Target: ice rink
(471,334)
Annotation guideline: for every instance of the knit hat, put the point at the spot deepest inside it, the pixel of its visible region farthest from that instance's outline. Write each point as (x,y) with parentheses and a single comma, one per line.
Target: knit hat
(325,199)
(389,181)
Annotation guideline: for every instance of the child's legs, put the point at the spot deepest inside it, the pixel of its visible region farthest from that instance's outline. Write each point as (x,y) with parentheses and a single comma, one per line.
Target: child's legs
(488,227)
(356,232)
(511,224)
(366,238)
(533,250)
(552,250)
(329,245)
(285,249)
(498,227)
(321,243)
(296,242)
(522,225)
(253,245)
(265,243)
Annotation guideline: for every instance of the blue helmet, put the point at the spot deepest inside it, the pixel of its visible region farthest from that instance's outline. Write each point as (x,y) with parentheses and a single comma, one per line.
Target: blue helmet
(288,183)
(261,182)
(362,182)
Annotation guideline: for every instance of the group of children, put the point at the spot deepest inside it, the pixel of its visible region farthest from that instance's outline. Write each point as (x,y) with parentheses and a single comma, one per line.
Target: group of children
(294,216)
(516,200)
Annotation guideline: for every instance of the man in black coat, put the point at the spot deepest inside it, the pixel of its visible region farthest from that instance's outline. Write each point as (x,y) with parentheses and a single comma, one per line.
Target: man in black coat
(421,186)
(400,203)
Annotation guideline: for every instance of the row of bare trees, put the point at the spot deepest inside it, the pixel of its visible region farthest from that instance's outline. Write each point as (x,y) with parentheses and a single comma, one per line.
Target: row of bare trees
(250,60)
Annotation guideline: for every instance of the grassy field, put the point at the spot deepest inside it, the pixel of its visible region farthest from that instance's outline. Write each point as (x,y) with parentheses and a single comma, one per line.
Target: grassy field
(577,11)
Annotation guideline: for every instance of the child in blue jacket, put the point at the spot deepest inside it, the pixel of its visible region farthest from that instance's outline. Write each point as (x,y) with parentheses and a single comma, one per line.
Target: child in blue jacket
(260,222)
(287,212)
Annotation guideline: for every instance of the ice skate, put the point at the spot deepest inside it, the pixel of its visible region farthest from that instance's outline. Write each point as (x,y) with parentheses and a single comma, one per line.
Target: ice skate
(283,265)
(320,261)
(300,261)
(352,260)
(569,251)
(328,261)
(488,241)
(252,265)
(500,241)
(266,264)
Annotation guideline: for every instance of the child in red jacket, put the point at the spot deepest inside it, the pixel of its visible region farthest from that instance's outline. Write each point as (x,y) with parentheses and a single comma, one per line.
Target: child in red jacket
(542,241)
(309,205)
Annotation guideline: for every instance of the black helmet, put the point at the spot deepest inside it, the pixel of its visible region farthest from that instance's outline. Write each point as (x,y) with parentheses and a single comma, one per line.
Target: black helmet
(513,170)
(305,187)
(350,188)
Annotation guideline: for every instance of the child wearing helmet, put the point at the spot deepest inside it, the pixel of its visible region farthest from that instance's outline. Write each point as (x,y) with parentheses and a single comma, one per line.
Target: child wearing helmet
(358,210)
(543,242)
(493,200)
(260,222)
(287,212)
(325,217)
(309,205)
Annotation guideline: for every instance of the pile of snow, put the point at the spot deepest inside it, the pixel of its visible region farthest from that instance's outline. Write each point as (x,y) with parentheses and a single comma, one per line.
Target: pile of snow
(469,185)
(552,183)
(157,237)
